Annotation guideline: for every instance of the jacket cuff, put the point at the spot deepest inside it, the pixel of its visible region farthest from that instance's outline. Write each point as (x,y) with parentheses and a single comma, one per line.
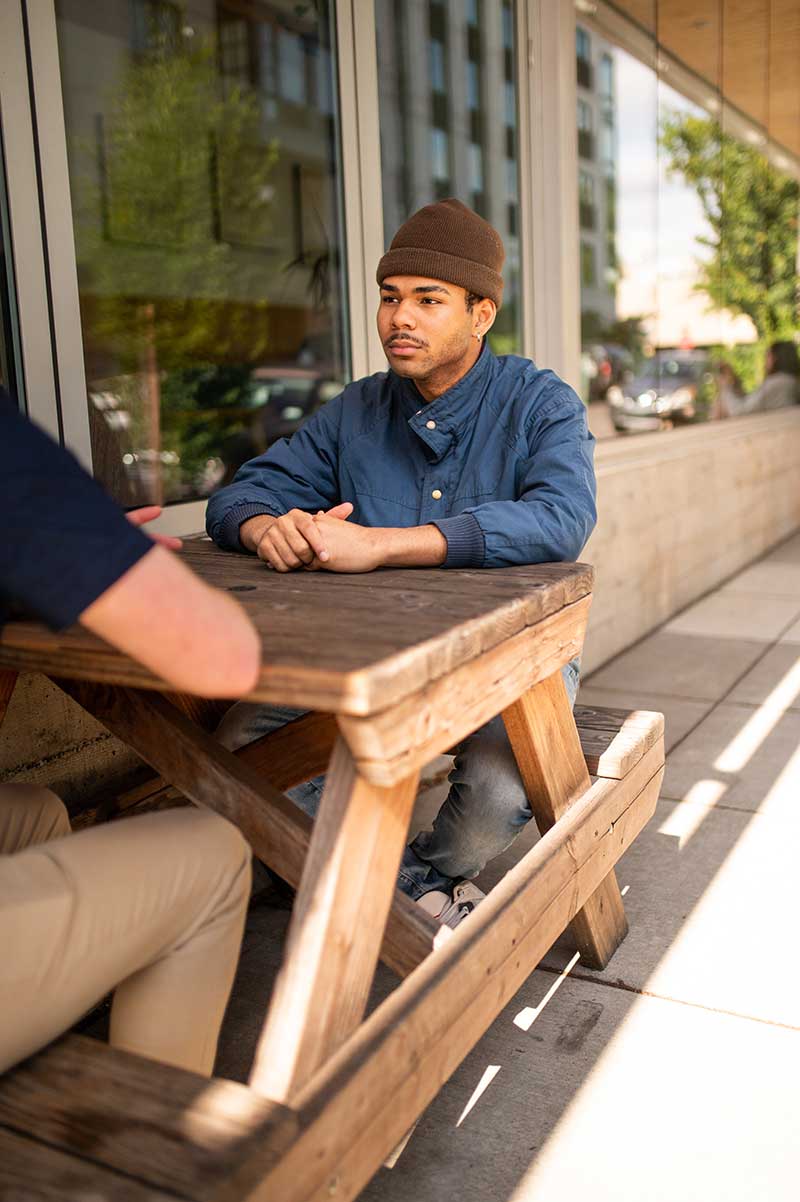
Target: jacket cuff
(466,546)
(229,527)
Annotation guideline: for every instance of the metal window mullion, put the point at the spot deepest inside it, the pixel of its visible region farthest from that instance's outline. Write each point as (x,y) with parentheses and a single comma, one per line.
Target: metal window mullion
(361,176)
(527,220)
(549,184)
(60,238)
(27,245)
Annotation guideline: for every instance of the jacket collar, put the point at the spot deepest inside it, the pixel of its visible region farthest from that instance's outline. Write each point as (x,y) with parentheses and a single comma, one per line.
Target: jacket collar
(451,411)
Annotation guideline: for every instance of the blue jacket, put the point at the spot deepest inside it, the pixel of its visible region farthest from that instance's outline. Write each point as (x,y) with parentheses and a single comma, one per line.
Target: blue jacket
(501,463)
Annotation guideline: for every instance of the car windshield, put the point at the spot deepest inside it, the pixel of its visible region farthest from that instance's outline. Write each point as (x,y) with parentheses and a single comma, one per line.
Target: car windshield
(668,369)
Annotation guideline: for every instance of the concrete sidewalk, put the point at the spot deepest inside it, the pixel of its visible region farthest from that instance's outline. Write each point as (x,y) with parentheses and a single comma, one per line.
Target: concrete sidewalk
(673,1075)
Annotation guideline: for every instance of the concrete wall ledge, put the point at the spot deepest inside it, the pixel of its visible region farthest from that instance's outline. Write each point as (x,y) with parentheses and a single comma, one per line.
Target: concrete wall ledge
(680,512)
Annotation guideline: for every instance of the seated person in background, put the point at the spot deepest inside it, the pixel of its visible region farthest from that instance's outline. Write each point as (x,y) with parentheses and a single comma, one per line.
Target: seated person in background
(452,458)
(779,387)
(154,906)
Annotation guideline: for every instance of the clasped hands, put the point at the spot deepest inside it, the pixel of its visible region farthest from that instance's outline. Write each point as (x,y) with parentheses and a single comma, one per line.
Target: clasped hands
(313,542)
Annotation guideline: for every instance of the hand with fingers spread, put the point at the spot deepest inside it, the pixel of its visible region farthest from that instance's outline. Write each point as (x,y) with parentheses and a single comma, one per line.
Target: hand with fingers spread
(292,541)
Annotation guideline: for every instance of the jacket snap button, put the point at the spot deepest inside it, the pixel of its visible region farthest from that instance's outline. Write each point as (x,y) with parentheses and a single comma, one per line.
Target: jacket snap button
(431,425)
(437,494)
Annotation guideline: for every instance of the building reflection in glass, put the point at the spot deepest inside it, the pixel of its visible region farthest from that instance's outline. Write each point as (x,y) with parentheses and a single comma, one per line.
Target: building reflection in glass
(688,218)
(204,168)
(448,114)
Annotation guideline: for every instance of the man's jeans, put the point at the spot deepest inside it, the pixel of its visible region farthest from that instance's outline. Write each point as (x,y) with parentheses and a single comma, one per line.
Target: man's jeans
(482,815)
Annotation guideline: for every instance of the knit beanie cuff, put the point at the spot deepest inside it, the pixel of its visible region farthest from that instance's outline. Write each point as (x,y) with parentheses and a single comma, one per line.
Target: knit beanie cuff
(438,265)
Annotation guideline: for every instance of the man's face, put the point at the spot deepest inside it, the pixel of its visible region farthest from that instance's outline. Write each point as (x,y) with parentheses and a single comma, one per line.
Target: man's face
(425,326)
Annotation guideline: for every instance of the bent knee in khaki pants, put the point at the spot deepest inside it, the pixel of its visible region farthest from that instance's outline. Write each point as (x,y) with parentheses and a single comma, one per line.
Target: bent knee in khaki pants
(153,907)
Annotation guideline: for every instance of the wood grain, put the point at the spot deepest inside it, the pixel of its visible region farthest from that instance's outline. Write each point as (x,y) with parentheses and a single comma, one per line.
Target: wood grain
(404,737)
(8,679)
(614,740)
(361,1104)
(33,1172)
(173,1129)
(337,925)
(544,737)
(209,775)
(343,643)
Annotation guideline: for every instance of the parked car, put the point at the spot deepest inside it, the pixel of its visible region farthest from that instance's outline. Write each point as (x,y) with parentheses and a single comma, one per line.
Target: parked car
(672,388)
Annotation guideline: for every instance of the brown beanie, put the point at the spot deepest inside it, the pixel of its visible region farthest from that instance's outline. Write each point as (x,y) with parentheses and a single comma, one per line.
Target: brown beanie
(447,241)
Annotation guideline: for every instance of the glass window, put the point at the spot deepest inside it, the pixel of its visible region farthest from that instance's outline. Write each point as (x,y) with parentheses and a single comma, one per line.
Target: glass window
(510,105)
(583,44)
(606,144)
(205,181)
(512,177)
(475,162)
(424,157)
(588,265)
(473,86)
(507,18)
(619,208)
(692,311)
(437,67)
(606,76)
(291,67)
(585,121)
(440,154)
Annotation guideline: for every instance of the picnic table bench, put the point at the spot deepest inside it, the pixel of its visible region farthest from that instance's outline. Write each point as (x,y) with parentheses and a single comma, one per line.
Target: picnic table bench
(394,668)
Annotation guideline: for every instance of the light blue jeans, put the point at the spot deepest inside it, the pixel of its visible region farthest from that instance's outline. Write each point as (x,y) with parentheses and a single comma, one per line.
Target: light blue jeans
(484,811)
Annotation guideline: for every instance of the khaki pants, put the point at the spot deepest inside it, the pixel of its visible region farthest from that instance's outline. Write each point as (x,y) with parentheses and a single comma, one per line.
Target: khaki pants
(152,907)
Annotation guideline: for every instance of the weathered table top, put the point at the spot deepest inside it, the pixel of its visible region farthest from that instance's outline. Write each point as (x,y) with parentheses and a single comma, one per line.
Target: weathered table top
(351,644)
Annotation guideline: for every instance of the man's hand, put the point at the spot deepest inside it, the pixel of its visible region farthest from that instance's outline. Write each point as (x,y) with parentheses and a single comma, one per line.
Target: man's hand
(355,548)
(351,548)
(138,517)
(294,540)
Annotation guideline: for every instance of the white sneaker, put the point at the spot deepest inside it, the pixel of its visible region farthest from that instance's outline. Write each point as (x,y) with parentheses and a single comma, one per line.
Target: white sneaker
(449,909)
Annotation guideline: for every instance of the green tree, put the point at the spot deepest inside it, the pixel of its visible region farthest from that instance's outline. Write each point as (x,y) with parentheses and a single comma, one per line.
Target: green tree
(184,174)
(750,264)
(178,176)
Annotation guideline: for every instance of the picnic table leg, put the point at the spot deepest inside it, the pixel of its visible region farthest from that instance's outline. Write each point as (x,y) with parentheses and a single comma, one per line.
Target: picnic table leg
(8,678)
(545,740)
(337,925)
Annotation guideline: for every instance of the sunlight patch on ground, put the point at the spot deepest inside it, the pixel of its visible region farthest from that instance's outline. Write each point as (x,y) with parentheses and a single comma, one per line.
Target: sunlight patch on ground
(787,784)
(490,1072)
(528,1016)
(685,819)
(746,743)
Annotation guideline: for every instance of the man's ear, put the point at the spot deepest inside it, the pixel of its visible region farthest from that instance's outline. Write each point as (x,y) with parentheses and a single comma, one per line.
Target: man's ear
(484,314)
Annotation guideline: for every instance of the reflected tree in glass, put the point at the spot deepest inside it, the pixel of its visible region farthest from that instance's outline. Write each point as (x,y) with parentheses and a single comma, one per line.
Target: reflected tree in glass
(183,178)
(749,260)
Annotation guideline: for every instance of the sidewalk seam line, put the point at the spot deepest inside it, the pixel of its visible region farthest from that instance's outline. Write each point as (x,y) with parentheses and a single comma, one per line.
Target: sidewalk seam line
(662,997)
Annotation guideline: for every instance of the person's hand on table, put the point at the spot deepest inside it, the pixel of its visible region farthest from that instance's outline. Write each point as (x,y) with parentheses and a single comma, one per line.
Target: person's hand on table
(354,548)
(148,513)
(292,541)
(350,547)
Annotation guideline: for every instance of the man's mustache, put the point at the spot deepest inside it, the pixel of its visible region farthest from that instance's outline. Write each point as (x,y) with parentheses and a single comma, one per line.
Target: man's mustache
(403,338)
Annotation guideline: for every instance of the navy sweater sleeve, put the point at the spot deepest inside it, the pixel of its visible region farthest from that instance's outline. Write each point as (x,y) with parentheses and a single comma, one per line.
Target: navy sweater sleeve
(63,541)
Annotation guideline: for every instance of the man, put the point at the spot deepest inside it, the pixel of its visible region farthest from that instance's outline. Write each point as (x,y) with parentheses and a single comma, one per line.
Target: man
(153,906)
(452,458)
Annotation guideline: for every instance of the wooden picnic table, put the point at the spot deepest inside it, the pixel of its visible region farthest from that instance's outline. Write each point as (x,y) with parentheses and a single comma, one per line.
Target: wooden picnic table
(394,668)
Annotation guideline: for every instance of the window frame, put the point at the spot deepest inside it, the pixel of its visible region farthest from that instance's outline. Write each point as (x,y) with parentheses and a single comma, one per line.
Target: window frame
(546,91)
